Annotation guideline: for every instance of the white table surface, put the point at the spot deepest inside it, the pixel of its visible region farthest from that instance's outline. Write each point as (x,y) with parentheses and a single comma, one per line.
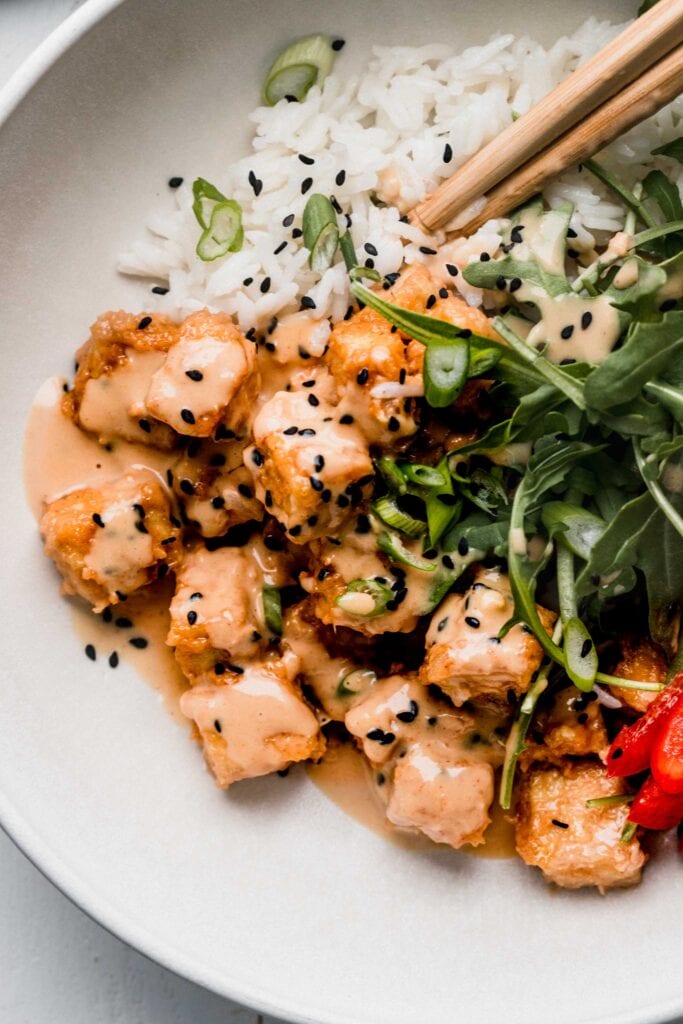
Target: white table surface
(58,966)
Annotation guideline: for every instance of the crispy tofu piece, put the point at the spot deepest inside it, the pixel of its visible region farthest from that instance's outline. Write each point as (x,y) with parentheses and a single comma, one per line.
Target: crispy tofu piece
(217,616)
(352,555)
(379,372)
(437,767)
(109,541)
(643,661)
(457,311)
(464,655)
(309,464)
(255,722)
(571,727)
(114,368)
(213,486)
(572,844)
(208,380)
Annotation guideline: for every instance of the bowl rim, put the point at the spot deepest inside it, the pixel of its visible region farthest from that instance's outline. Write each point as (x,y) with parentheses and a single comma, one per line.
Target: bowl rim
(17,827)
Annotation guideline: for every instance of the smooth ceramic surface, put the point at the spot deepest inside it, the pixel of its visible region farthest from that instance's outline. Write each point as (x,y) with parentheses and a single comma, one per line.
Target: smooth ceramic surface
(268,894)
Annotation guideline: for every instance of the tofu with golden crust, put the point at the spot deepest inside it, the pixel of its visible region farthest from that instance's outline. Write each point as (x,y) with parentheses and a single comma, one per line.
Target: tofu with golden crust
(114,368)
(436,767)
(575,845)
(309,464)
(213,486)
(465,655)
(217,614)
(255,722)
(109,541)
(209,379)
(643,661)
(572,727)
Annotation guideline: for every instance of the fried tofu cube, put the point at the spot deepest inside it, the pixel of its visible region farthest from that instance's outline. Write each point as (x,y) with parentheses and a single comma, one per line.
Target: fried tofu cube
(217,614)
(470,318)
(437,768)
(575,845)
(352,555)
(643,661)
(109,541)
(114,369)
(465,656)
(213,486)
(571,727)
(309,464)
(209,378)
(254,723)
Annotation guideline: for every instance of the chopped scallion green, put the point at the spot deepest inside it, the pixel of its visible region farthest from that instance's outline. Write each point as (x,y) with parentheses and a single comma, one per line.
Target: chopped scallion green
(272,610)
(321,232)
(305,63)
(389,512)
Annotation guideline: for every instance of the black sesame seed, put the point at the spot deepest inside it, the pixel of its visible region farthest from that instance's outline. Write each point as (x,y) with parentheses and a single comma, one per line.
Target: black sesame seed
(123,623)
(265,285)
(159,289)
(192,617)
(567,362)
(362,376)
(463,546)
(342,501)
(363,524)
(98,520)
(288,221)
(187,416)
(281,247)
(175,182)
(582,718)
(346,419)
(217,502)
(138,641)
(447,153)
(567,332)
(586,647)
(472,622)
(90,652)
(256,183)
(113,659)
(307,302)
(312,521)
(237,669)
(448,562)
(370,249)
(140,527)
(571,233)
(501,283)
(432,720)
(370,263)
(308,160)
(427,251)
(431,301)
(217,726)
(516,234)
(305,185)
(411,714)
(337,207)
(559,824)
(338,44)
(308,431)
(452,269)
(303,353)
(145,322)
(484,257)
(515,284)
(187,487)
(315,483)
(313,400)
(145,425)
(341,178)
(295,531)
(245,491)
(326,495)
(573,254)
(586,320)
(257,457)
(319,463)
(297,232)
(443,293)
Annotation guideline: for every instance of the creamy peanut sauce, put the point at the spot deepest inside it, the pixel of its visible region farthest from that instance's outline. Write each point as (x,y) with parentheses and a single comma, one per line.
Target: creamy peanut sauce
(562,313)
(114,403)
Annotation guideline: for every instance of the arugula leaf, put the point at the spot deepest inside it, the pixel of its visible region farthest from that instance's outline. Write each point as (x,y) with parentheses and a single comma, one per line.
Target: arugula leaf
(658,187)
(673,149)
(615,555)
(645,354)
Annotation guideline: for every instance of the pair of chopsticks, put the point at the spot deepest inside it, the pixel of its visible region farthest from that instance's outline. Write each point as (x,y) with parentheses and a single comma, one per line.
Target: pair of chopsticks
(636,74)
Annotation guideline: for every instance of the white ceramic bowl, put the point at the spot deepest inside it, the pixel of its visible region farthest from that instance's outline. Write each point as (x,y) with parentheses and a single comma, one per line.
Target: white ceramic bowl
(268,894)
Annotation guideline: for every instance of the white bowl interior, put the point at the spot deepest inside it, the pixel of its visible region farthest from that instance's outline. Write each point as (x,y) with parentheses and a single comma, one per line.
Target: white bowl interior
(270,893)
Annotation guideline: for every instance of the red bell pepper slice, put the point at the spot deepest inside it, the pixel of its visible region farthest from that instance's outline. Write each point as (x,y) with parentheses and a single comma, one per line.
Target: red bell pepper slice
(631,750)
(653,808)
(667,753)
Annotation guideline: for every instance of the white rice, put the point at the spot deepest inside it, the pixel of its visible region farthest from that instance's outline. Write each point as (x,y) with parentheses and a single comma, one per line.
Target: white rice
(388,130)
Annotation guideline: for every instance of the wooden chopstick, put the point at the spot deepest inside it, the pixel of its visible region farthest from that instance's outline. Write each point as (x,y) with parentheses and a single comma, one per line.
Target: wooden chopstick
(621,62)
(657,87)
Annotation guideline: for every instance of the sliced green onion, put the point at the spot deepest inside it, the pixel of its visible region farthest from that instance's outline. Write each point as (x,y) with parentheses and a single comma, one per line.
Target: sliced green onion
(394,547)
(583,528)
(628,832)
(224,234)
(391,474)
(610,801)
(515,744)
(580,656)
(321,233)
(442,507)
(390,514)
(445,371)
(358,273)
(365,598)
(424,476)
(272,610)
(206,196)
(297,68)
(357,682)
(348,251)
